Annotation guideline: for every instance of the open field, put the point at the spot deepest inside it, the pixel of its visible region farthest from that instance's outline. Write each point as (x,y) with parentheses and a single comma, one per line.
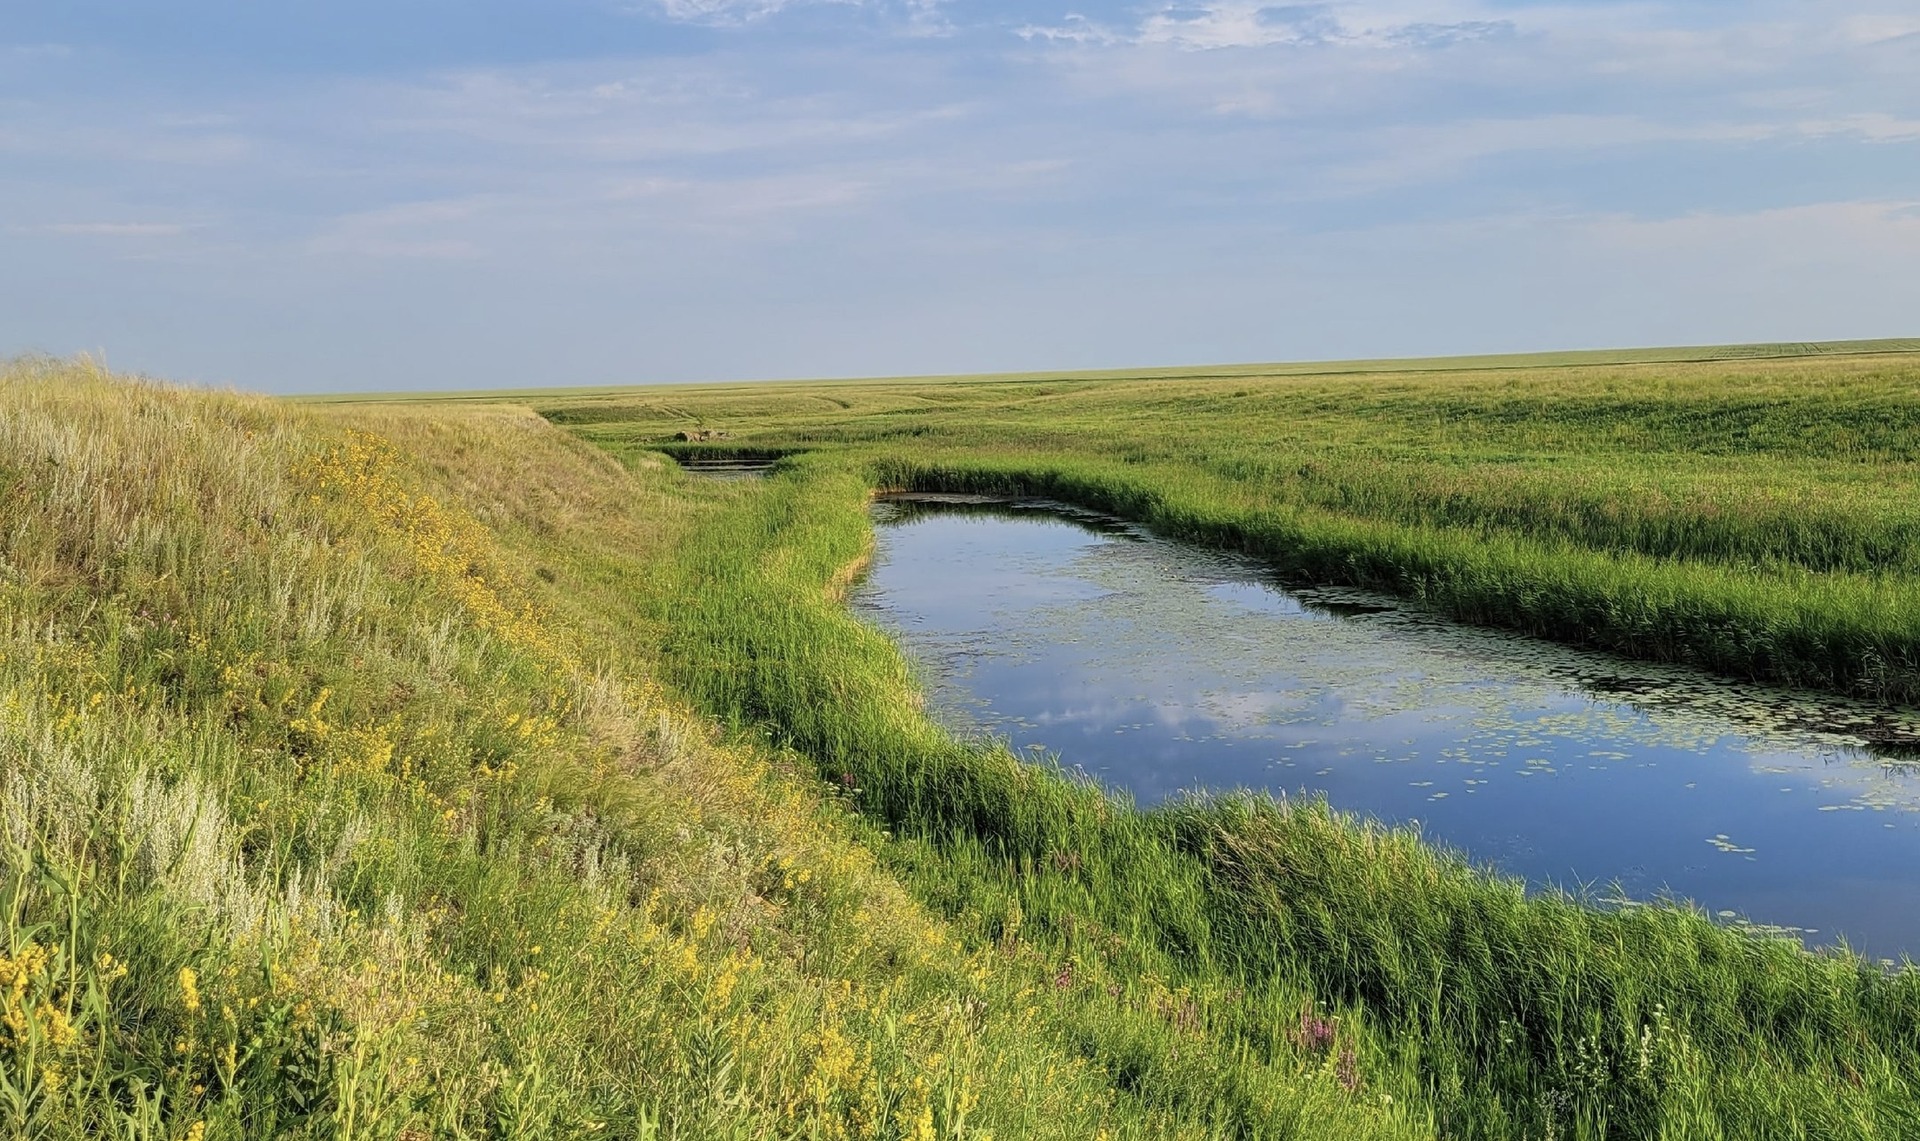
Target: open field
(1755,518)
(1785,350)
(416,770)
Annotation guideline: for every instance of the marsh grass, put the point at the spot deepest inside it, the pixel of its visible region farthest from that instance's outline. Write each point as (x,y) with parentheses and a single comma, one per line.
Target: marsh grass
(1504,1015)
(1749,517)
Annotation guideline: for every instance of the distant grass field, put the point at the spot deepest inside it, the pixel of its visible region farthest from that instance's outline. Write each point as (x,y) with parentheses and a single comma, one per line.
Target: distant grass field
(1590,357)
(415,770)
(1753,516)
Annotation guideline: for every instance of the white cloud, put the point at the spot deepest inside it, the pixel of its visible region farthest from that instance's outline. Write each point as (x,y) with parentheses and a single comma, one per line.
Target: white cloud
(37,51)
(741,202)
(61,132)
(1871,126)
(1076,30)
(111,229)
(1416,153)
(718,12)
(1255,24)
(621,113)
(1879,28)
(1886,232)
(916,19)
(1237,23)
(437,230)
(727,13)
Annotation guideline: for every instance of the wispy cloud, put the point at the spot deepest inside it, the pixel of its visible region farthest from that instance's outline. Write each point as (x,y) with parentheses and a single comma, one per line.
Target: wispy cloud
(37,51)
(435,230)
(901,185)
(724,13)
(109,229)
(1253,24)
(1074,28)
(620,112)
(914,19)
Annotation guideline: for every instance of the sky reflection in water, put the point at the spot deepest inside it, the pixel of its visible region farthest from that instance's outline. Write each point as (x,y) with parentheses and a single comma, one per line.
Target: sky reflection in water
(1158,667)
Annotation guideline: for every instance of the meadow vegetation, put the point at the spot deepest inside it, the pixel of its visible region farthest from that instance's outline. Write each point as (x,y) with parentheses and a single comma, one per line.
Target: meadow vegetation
(1751,517)
(1755,518)
(343,798)
(443,770)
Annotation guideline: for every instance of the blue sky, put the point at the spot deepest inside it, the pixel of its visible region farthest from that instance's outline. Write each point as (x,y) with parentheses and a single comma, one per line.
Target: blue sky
(310,195)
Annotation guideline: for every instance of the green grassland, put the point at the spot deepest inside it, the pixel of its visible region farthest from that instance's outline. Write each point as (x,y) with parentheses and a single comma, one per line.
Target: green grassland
(440,769)
(1754,517)
(1671,354)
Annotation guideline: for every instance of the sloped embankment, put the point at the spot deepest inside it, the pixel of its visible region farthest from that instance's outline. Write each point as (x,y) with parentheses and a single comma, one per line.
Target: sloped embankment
(340,800)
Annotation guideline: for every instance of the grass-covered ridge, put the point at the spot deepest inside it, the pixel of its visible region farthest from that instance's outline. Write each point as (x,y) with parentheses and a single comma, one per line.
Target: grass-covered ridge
(341,799)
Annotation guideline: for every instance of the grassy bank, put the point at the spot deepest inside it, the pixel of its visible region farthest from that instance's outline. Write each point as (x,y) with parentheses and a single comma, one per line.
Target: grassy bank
(1502,1016)
(342,798)
(1747,517)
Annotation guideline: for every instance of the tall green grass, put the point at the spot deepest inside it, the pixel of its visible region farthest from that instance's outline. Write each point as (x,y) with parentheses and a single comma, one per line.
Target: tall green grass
(1753,518)
(1506,1016)
(339,799)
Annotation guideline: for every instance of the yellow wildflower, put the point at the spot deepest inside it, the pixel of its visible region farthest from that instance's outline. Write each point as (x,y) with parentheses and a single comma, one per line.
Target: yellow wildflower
(55,1024)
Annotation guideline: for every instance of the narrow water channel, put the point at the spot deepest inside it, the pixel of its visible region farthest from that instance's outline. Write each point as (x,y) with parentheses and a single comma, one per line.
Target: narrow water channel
(725,466)
(1160,668)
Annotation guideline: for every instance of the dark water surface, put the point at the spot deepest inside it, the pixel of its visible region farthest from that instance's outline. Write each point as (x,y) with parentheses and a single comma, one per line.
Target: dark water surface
(1158,667)
(725,467)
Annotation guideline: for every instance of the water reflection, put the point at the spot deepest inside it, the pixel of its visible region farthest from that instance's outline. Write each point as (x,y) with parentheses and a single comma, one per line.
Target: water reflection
(1158,667)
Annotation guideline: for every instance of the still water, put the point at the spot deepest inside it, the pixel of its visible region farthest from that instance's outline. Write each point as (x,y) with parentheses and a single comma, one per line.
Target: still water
(726,466)
(1157,668)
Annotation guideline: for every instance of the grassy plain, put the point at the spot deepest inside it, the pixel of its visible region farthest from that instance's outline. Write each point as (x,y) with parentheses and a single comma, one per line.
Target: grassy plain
(418,770)
(1754,517)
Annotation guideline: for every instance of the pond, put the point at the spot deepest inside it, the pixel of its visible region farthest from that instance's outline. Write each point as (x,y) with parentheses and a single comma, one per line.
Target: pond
(1158,668)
